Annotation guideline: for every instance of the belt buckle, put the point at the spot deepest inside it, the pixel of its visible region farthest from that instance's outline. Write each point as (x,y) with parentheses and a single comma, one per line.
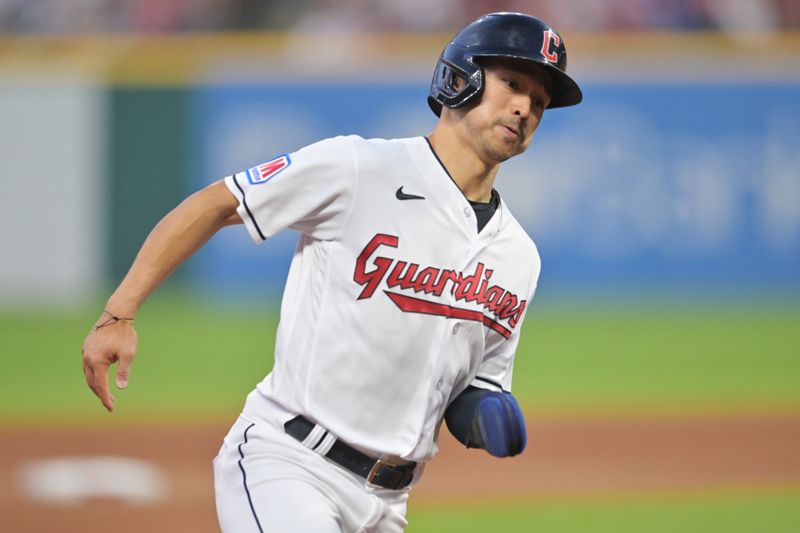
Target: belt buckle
(406,473)
(373,472)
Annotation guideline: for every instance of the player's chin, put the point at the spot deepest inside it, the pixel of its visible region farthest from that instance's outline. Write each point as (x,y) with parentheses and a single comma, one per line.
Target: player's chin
(520,148)
(506,151)
(501,149)
(501,157)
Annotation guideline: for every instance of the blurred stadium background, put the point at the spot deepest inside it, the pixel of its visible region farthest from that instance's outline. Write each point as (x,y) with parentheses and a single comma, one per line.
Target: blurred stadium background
(666,208)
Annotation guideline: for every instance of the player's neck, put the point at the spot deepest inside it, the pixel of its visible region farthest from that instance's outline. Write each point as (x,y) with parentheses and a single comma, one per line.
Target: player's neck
(474,176)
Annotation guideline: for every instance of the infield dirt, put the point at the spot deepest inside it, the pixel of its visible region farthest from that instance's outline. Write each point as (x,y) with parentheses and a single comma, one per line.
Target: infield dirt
(565,459)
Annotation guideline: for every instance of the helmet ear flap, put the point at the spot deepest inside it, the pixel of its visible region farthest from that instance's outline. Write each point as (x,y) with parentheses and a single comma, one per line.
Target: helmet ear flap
(453,86)
(446,78)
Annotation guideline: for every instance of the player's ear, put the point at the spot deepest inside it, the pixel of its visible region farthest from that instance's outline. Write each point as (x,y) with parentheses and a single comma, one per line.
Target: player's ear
(456,81)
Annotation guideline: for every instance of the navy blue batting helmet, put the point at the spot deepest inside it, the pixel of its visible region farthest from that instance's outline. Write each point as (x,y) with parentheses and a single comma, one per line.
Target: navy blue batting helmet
(503,35)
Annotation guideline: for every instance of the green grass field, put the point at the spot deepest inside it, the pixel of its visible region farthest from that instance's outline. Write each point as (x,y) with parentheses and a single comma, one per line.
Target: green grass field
(197,363)
(775,512)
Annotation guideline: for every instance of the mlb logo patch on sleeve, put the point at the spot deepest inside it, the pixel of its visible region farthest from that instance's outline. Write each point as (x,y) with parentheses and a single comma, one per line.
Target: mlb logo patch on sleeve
(264,172)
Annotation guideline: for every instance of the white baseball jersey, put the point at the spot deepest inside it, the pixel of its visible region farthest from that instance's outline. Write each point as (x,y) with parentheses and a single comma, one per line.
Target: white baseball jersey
(394,302)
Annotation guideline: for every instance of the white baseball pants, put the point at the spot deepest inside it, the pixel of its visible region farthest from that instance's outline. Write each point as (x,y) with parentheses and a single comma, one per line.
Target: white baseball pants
(267,482)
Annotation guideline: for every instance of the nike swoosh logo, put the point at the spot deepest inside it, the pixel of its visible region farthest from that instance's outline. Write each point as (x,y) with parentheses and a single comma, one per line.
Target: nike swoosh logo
(403,196)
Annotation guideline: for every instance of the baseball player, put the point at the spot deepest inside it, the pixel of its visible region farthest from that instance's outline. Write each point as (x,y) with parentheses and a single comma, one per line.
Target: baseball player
(403,304)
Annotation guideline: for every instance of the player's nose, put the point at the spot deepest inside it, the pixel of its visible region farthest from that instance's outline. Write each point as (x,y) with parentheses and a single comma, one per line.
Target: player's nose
(521,106)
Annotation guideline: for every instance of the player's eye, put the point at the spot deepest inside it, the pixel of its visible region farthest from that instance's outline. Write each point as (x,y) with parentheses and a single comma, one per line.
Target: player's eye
(511,84)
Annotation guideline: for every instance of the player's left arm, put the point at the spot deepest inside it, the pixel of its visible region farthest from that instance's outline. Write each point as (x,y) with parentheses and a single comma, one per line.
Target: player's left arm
(487,419)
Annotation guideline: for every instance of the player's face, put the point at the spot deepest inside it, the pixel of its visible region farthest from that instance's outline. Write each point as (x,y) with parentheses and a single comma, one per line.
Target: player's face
(514,98)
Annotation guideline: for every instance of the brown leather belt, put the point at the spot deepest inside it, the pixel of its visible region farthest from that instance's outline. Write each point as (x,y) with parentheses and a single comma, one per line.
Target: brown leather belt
(376,471)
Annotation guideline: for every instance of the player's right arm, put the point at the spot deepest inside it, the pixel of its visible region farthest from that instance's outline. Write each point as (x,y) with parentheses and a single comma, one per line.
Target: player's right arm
(173,240)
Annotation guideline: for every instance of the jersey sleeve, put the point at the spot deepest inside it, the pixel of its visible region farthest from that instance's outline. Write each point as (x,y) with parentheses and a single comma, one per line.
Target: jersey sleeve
(495,371)
(497,365)
(310,190)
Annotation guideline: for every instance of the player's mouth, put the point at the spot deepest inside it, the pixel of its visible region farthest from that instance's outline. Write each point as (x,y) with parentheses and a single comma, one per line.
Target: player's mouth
(511,132)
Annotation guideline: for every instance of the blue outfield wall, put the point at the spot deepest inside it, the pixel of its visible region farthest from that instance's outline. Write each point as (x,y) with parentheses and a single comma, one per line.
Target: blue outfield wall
(644,186)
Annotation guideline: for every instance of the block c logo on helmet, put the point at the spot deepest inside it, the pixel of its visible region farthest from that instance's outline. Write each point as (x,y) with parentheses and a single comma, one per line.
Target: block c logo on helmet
(550,36)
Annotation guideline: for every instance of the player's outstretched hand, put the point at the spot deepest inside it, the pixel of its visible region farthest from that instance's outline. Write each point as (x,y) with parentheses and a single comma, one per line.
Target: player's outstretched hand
(111,340)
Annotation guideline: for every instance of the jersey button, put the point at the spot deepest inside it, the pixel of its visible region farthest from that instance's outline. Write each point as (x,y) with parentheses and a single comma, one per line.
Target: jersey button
(467,212)
(456,327)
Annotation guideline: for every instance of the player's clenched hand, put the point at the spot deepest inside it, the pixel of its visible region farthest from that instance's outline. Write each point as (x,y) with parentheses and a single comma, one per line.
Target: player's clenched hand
(111,340)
